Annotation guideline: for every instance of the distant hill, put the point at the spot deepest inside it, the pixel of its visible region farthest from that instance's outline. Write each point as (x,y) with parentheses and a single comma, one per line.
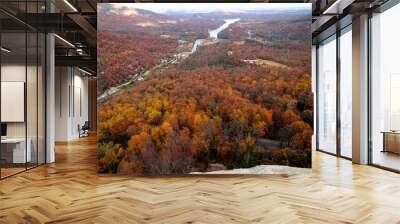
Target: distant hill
(129,18)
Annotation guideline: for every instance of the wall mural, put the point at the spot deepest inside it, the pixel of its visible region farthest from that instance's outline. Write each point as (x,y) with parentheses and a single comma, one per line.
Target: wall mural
(201,87)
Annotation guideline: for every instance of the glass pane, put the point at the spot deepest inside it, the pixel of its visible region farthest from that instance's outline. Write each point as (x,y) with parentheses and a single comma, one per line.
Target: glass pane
(346,94)
(13,86)
(327,96)
(41,99)
(31,88)
(23,90)
(31,98)
(385,93)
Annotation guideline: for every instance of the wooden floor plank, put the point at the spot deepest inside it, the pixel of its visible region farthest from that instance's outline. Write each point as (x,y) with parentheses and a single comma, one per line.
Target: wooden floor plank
(71,191)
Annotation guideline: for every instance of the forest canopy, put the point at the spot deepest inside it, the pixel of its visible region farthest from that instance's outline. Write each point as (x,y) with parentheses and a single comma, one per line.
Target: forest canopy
(236,102)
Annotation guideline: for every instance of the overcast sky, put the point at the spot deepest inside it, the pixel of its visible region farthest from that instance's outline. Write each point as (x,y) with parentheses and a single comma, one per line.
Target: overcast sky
(207,7)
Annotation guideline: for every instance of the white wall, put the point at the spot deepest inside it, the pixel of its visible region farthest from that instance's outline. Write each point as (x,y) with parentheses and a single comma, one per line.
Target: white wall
(14,72)
(61,103)
(71,102)
(80,109)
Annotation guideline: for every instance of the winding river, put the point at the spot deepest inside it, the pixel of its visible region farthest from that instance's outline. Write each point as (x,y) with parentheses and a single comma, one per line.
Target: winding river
(213,34)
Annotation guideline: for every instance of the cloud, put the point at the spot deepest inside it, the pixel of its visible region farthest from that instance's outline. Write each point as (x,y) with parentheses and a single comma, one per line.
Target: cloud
(130,8)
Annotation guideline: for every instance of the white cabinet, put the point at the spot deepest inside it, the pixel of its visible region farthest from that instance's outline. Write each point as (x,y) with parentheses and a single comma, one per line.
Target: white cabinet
(19,155)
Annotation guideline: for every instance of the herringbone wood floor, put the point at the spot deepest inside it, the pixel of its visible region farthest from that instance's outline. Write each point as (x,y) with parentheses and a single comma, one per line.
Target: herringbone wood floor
(70,191)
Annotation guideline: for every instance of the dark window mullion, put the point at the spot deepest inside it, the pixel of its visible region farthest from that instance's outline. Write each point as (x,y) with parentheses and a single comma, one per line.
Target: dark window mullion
(37,91)
(317,97)
(338,81)
(26,86)
(369,90)
(45,88)
(0,94)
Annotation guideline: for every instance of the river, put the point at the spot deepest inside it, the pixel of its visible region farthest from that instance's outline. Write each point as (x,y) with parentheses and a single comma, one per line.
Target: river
(213,34)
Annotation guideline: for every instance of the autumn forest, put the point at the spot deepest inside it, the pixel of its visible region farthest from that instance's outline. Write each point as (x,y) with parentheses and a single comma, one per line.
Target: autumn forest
(183,91)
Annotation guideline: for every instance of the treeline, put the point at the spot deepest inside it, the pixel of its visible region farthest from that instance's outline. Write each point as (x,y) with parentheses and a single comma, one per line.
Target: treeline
(232,54)
(285,41)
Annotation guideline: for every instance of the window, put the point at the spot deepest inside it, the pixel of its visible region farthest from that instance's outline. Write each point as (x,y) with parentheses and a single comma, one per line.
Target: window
(346,92)
(22,88)
(327,96)
(385,89)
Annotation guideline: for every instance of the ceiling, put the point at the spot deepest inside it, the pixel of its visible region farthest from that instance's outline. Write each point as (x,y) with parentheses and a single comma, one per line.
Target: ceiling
(75,22)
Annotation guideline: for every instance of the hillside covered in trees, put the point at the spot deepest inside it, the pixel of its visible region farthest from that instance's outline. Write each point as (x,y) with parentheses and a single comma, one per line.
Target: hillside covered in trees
(238,101)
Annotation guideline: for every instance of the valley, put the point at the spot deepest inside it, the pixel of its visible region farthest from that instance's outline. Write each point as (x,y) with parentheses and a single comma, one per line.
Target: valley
(219,90)
(176,58)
